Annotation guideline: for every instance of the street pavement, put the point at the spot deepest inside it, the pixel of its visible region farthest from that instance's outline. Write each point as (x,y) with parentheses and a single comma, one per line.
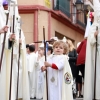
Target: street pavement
(78,99)
(74,99)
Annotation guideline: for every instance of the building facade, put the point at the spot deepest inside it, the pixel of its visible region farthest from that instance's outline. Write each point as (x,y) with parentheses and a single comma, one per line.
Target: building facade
(58,17)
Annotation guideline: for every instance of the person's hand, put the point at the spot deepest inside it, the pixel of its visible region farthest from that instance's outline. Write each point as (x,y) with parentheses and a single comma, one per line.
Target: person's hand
(43,68)
(96,33)
(47,64)
(4,29)
(12,37)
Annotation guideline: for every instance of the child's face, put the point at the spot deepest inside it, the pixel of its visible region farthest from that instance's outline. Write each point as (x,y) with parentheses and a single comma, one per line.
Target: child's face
(41,51)
(58,49)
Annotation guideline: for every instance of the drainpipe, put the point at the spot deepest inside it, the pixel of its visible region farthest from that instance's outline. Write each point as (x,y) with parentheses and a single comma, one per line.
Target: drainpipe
(35,35)
(49,25)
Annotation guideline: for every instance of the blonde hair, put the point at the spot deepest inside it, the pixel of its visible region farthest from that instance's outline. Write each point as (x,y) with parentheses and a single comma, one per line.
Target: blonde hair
(70,44)
(60,42)
(66,49)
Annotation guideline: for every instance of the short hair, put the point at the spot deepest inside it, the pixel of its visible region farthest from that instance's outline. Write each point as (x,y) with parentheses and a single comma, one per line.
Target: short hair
(50,49)
(27,45)
(31,48)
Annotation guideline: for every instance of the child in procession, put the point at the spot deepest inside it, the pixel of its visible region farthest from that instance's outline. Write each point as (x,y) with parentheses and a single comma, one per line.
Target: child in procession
(58,74)
(39,73)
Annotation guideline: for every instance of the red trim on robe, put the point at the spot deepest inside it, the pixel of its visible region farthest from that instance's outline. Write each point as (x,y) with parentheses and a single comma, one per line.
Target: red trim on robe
(54,66)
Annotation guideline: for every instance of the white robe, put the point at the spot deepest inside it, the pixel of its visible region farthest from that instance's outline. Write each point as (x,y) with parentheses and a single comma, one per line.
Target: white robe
(23,86)
(39,78)
(31,73)
(4,74)
(58,90)
(6,66)
(90,65)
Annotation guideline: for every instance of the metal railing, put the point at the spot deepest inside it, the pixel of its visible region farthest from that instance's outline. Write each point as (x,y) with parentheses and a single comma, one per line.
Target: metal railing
(63,6)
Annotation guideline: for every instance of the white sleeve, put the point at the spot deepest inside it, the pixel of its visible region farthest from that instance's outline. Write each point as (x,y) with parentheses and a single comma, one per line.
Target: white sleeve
(59,62)
(92,39)
(91,35)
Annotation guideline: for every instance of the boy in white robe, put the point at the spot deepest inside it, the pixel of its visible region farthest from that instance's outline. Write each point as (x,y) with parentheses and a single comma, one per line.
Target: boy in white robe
(59,75)
(39,73)
(31,61)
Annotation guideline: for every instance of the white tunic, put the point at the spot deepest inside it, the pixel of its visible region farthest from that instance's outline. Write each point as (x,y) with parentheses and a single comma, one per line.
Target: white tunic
(58,89)
(39,78)
(5,63)
(31,73)
(5,74)
(54,88)
(23,86)
(23,73)
(90,65)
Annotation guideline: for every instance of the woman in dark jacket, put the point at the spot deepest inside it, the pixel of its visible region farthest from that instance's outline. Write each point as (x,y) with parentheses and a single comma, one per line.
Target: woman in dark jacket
(72,56)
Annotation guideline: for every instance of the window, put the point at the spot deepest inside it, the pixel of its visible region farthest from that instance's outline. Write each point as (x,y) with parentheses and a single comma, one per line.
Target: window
(63,6)
(60,36)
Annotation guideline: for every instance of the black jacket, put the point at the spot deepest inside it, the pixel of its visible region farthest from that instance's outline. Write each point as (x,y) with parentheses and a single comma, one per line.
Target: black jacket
(72,61)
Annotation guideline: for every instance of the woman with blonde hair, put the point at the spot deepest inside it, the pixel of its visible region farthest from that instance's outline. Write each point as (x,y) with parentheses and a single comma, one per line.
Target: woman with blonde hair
(71,46)
(72,56)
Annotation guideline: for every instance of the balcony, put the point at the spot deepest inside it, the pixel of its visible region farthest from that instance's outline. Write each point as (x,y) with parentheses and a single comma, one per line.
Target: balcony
(89,4)
(69,9)
(63,6)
